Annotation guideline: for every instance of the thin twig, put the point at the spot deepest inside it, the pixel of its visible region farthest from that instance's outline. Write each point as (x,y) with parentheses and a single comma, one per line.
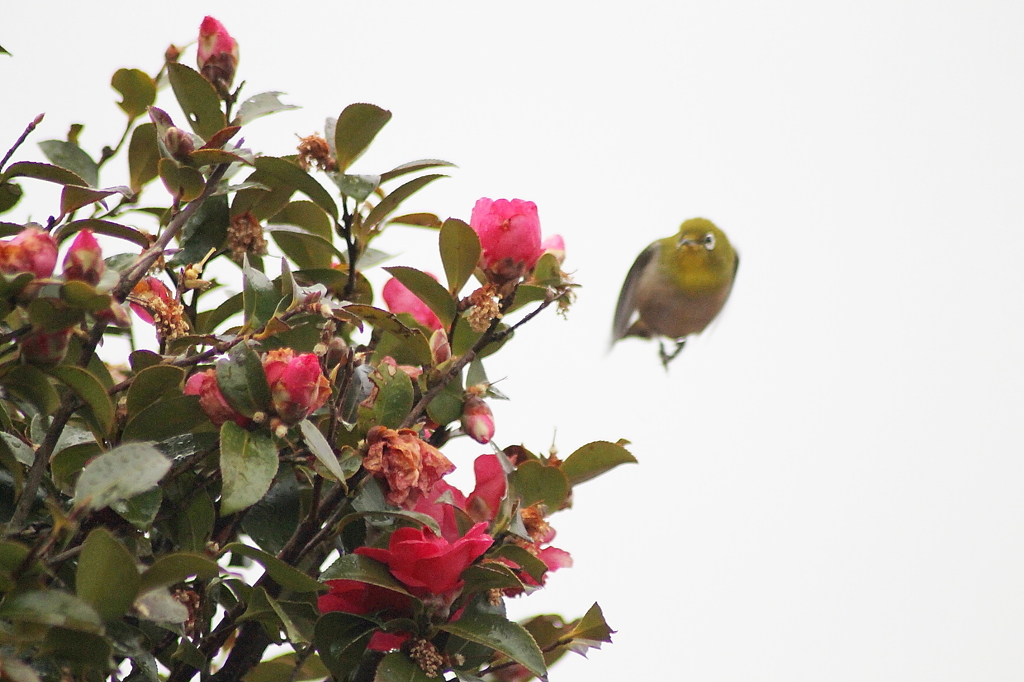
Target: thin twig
(28,131)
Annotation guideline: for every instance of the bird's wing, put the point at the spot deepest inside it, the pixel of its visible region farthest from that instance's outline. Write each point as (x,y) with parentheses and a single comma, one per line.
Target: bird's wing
(626,306)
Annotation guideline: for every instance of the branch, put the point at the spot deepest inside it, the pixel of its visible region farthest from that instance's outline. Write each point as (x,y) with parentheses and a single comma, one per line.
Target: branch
(28,131)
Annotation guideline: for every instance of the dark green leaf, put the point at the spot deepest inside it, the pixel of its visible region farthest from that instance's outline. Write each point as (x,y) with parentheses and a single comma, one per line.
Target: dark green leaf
(446,407)
(363,569)
(242,381)
(273,520)
(166,418)
(205,230)
(175,568)
(308,251)
(591,631)
(427,290)
(138,91)
(143,156)
(248,464)
(102,227)
(198,100)
(206,322)
(78,649)
(526,561)
(41,171)
(526,294)
(502,635)
(30,384)
(123,472)
(90,390)
(152,384)
(340,639)
(357,125)
(282,669)
(594,459)
(65,465)
(49,315)
(483,577)
(460,251)
(10,195)
(538,483)
(397,667)
(260,298)
(193,526)
(74,197)
(284,575)
(106,577)
(428,220)
(389,203)
(213,157)
(72,157)
(51,607)
(141,510)
(183,182)
(287,172)
(260,105)
(388,322)
(394,396)
(357,187)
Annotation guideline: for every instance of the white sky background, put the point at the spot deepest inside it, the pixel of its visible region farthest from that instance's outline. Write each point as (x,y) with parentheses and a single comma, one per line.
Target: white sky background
(830,482)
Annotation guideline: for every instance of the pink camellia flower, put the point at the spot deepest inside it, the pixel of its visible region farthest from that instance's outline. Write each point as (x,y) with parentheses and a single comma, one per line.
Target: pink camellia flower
(509,232)
(427,564)
(84,260)
(554,245)
(298,386)
(218,55)
(204,385)
(477,420)
(149,291)
(399,299)
(31,250)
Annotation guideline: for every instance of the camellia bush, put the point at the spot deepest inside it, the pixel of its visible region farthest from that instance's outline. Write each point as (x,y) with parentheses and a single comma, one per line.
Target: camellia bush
(271,472)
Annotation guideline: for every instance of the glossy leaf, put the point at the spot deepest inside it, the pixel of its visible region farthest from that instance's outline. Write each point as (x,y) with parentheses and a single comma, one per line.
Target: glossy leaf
(285,575)
(152,384)
(287,172)
(106,577)
(198,100)
(394,397)
(391,202)
(397,667)
(307,250)
(363,569)
(166,418)
(42,171)
(138,91)
(207,322)
(502,635)
(175,568)
(483,577)
(427,290)
(183,182)
(358,187)
(90,390)
(205,230)
(259,297)
(273,520)
(248,464)
(74,197)
(242,381)
(594,459)
(320,448)
(69,155)
(340,639)
(51,607)
(140,510)
(357,125)
(194,525)
(143,156)
(260,105)
(537,483)
(527,561)
(123,472)
(460,252)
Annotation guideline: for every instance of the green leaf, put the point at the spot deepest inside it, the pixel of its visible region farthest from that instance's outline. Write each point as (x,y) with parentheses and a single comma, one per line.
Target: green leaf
(397,667)
(388,322)
(527,561)
(72,157)
(41,171)
(287,172)
(138,91)
(260,105)
(307,250)
(526,294)
(357,125)
(591,631)
(10,195)
(340,639)
(446,407)
(283,574)
(537,483)
(206,229)
(320,448)
(357,187)
(102,227)
(483,577)
(49,315)
(68,462)
(51,607)
(183,182)
(143,156)
(394,396)
(502,635)
(30,384)
(242,381)
(427,290)
(594,459)
(363,569)
(272,521)
(123,472)
(208,321)
(90,390)
(152,384)
(427,220)
(73,197)
(414,167)
(141,510)
(391,202)
(106,577)
(259,297)
(78,649)
(165,419)
(281,669)
(248,464)
(175,568)
(198,100)
(193,526)
(460,251)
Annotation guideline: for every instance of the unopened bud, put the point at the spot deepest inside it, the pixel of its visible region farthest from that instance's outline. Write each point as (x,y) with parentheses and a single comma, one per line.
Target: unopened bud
(179,143)
(84,260)
(477,420)
(45,348)
(32,250)
(218,55)
(440,349)
(554,245)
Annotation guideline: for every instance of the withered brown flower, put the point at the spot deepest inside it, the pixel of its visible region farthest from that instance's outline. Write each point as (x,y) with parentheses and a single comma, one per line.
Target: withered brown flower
(409,465)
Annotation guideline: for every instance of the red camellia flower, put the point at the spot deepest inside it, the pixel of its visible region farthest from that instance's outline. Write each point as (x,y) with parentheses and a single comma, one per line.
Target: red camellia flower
(84,260)
(31,250)
(204,385)
(352,596)
(399,299)
(427,564)
(481,505)
(298,386)
(509,232)
(218,55)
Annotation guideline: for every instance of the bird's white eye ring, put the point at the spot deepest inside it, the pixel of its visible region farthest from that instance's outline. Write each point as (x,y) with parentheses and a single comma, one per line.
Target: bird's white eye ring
(709,241)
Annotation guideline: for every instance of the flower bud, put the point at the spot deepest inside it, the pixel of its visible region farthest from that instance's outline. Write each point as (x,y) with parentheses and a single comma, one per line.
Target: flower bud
(440,349)
(298,387)
(32,250)
(218,55)
(509,232)
(179,143)
(45,348)
(477,420)
(554,245)
(84,260)
(204,385)
(399,299)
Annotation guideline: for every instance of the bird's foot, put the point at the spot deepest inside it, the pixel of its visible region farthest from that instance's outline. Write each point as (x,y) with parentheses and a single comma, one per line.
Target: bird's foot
(669,357)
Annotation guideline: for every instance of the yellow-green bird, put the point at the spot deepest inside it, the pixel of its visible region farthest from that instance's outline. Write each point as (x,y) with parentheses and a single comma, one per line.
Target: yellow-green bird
(677,286)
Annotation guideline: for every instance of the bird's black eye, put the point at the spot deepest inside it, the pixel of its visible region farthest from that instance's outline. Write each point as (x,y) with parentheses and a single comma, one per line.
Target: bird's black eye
(709,241)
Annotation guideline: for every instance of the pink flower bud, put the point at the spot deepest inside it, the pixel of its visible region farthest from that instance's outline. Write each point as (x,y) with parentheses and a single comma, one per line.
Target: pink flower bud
(179,143)
(298,387)
(218,55)
(509,233)
(440,349)
(45,348)
(204,385)
(399,299)
(477,420)
(32,250)
(554,245)
(84,260)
